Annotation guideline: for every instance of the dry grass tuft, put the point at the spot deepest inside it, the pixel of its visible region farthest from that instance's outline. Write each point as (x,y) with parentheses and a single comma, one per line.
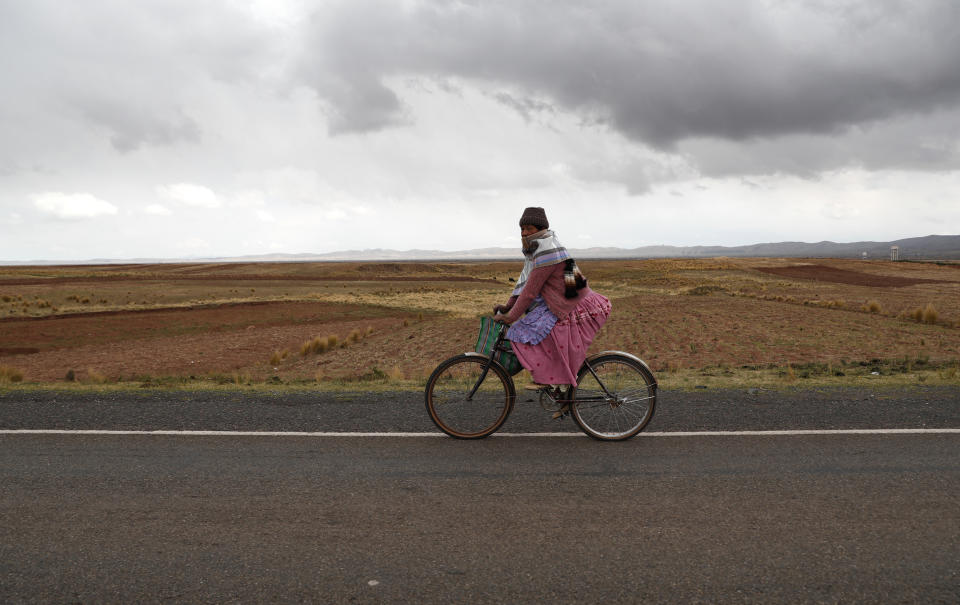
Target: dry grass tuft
(320,344)
(354,336)
(276,358)
(95,377)
(10,375)
(395,373)
(707,290)
(930,315)
(791,375)
(873,307)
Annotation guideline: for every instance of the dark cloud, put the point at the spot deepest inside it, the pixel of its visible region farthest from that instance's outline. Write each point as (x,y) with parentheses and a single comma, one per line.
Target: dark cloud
(527,107)
(659,73)
(922,142)
(130,127)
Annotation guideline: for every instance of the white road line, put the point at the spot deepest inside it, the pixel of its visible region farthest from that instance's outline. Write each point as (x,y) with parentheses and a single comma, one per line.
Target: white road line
(439,434)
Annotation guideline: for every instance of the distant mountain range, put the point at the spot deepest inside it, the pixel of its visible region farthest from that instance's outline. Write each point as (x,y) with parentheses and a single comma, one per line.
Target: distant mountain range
(931,247)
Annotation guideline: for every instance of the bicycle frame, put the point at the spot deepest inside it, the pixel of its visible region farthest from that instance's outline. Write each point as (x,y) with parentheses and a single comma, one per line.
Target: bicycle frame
(498,347)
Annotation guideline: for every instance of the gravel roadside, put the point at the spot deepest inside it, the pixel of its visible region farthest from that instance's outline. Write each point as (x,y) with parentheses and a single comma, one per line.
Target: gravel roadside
(752,409)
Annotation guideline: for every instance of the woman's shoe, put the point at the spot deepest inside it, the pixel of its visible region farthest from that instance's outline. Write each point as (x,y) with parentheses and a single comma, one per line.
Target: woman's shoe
(563,411)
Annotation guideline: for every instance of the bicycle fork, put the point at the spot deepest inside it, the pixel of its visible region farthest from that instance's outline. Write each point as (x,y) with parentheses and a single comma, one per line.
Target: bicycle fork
(483,375)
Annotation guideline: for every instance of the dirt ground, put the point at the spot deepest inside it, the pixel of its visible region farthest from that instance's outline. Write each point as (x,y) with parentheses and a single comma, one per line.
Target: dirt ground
(844,276)
(249,321)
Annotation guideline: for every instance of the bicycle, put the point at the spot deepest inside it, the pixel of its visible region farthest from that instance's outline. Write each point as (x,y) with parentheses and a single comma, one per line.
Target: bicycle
(470,396)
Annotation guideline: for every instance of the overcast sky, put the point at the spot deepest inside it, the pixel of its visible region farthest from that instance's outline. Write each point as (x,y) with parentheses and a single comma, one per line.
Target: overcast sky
(176,128)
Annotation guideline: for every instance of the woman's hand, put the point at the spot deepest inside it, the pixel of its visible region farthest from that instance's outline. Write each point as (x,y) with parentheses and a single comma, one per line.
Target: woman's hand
(500,309)
(501,318)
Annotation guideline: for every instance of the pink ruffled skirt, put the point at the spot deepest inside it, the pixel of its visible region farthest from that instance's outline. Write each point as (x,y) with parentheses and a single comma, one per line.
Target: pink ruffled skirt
(556,358)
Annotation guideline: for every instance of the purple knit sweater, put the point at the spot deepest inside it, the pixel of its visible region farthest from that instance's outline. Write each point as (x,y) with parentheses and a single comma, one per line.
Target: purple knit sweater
(548,283)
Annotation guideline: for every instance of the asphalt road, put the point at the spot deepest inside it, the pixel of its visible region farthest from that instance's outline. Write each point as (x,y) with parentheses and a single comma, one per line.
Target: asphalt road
(920,407)
(804,518)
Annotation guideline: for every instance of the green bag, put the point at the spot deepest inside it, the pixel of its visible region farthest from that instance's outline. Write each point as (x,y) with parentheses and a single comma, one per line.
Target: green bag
(489,332)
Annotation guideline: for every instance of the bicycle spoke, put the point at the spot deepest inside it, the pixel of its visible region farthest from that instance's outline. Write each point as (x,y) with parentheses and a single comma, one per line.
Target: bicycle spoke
(614,401)
(458,409)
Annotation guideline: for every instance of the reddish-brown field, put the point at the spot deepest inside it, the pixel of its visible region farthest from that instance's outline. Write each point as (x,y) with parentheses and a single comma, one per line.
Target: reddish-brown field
(248,322)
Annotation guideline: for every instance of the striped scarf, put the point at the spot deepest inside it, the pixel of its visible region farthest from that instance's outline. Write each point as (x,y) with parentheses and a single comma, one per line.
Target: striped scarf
(543,249)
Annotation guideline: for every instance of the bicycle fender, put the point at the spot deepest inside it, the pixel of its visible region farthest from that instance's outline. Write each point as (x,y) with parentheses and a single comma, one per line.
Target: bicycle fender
(498,364)
(628,355)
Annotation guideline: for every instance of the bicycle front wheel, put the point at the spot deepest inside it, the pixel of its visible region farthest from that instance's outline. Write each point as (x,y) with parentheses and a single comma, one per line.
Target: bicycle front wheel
(616,400)
(455,411)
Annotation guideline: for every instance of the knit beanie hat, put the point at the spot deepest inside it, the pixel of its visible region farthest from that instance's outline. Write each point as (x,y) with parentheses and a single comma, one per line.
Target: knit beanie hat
(534,215)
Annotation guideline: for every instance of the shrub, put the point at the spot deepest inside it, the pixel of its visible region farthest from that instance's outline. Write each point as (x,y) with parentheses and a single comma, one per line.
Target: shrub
(276,358)
(873,307)
(917,314)
(355,335)
(395,373)
(930,314)
(375,373)
(332,341)
(10,375)
(71,376)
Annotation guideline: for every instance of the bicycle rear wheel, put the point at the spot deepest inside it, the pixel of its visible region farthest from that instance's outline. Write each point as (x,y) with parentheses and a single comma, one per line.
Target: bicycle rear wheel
(622,406)
(447,397)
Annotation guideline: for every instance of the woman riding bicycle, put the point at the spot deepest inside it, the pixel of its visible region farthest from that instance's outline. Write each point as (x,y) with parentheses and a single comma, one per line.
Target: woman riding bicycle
(554,316)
